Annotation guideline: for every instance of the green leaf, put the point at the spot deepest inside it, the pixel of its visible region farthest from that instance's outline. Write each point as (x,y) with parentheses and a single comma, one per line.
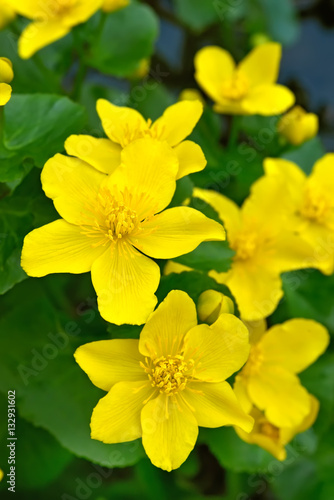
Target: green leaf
(233,453)
(197,14)
(307,294)
(37,132)
(128,36)
(52,390)
(209,255)
(306,155)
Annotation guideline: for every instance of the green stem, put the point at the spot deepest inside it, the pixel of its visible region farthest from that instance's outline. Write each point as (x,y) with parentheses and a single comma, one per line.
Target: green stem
(234,132)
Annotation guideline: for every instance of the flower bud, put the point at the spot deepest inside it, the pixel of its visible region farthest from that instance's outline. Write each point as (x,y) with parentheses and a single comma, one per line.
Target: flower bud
(298,126)
(191,95)
(211,304)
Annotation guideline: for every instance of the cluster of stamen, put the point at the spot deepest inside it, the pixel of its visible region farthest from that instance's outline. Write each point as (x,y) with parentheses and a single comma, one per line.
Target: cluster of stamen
(254,362)
(139,132)
(245,245)
(316,206)
(236,88)
(169,374)
(60,7)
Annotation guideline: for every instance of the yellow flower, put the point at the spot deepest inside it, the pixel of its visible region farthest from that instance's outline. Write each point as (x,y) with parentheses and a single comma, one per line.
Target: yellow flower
(124,125)
(265,246)
(246,89)
(7,13)
(6,76)
(269,379)
(211,304)
(170,381)
(112,5)
(110,223)
(298,126)
(52,20)
(268,436)
(311,208)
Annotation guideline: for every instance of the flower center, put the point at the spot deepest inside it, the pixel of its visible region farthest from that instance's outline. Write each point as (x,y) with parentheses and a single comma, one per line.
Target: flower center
(112,218)
(236,88)
(169,374)
(60,7)
(245,245)
(269,430)
(254,361)
(316,206)
(140,132)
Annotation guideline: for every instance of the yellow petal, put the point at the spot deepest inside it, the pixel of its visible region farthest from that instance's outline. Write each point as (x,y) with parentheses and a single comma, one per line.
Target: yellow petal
(261,65)
(295,344)
(58,247)
(116,418)
(256,330)
(122,125)
(240,390)
(191,158)
(81,11)
(291,174)
(175,232)
(73,185)
(6,70)
(165,329)
(178,121)
(215,405)
(175,267)
(323,171)
(5,93)
(39,34)
(125,282)
(213,65)
(268,100)
(169,431)
(228,211)
(280,395)
(148,171)
(102,154)
(288,433)
(26,8)
(291,253)
(107,362)
(218,350)
(256,290)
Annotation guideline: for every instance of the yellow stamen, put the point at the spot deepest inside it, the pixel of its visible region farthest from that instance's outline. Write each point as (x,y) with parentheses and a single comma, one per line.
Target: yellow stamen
(236,88)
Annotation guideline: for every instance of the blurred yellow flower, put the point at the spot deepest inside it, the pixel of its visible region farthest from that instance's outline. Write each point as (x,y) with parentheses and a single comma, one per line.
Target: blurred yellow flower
(110,222)
(248,88)
(268,436)
(124,125)
(6,76)
(265,246)
(52,20)
(112,5)
(211,304)
(170,381)
(7,13)
(269,380)
(311,208)
(298,126)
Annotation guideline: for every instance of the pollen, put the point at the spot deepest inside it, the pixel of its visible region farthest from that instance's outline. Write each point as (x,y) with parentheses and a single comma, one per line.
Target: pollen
(236,88)
(169,374)
(316,207)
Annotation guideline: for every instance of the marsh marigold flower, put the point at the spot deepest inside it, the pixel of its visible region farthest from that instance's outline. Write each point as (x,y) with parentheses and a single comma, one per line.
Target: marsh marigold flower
(265,246)
(112,223)
(268,436)
(124,125)
(7,13)
(298,126)
(170,381)
(248,88)
(269,378)
(6,76)
(311,208)
(52,20)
